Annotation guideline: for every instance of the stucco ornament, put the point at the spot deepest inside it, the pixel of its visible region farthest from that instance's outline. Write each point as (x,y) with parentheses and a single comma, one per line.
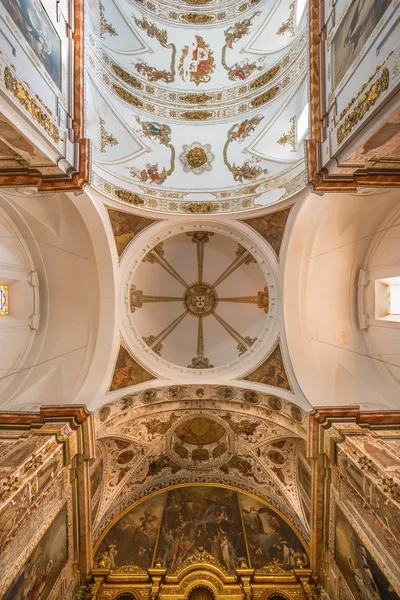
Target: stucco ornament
(196,158)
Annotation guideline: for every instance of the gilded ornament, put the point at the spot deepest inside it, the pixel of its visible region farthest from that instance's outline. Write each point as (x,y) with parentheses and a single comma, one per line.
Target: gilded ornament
(197,2)
(265,97)
(200,362)
(196,158)
(30,105)
(128,197)
(196,115)
(366,102)
(289,24)
(200,299)
(107,139)
(105,26)
(265,78)
(127,77)
(197,18)
(200,98)
(290,137)
(127,96)
(199,207)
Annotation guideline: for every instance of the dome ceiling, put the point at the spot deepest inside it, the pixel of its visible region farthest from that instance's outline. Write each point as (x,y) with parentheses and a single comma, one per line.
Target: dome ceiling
(199,300)
(203,119)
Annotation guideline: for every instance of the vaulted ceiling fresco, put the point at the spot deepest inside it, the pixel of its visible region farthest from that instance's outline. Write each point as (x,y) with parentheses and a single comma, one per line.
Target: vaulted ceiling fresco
(151,440)
(183,122)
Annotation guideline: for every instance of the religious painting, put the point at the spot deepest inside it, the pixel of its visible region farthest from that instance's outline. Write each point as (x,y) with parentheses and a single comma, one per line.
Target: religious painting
(353,32)
(361,572)
(132,539)
(40,572)
(35,25)
(271,542)
(271,227)
(271,371)
(128,372)
(126,226)
(205,517)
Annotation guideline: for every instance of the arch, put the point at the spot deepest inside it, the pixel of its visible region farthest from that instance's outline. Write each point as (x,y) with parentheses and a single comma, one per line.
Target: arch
(126,596)
(201,592)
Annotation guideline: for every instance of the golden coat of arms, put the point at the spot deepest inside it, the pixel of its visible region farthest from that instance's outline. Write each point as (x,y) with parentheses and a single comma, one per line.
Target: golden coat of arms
(197,62)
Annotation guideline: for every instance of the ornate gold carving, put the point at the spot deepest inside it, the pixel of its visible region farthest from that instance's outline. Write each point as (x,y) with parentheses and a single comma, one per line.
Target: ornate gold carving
(197,18)
(130,570)
(128,197)
(199,207)
(200,98)
(127,77)
(107,139)
(289,24)
(136,298)
(197,2)
(271,568)
(127,96)
(196,157)
(265,78)
(105,26)
(201,556)
(196,115)
(265,97)
(366,102)
(290,137)
(30,105)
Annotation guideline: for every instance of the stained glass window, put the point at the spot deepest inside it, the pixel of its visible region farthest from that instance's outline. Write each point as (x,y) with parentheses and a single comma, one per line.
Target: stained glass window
(3,299)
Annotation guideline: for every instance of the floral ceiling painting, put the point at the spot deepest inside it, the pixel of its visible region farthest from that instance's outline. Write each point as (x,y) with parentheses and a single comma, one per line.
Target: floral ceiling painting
(183,114)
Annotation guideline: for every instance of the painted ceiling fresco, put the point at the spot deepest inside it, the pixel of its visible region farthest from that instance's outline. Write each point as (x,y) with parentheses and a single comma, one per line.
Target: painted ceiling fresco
(229,526)
(214,434)
(204,120)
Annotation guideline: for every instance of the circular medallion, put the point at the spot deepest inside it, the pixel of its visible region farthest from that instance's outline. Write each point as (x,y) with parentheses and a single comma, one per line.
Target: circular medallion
(196,157)
(200,299)
(200,431)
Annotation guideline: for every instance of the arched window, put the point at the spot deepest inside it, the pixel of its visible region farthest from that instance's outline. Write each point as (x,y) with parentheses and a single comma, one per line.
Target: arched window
(126,596)
(201,592)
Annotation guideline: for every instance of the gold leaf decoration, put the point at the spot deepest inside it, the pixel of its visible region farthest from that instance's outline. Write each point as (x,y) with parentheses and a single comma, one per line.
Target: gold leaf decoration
(105,26)
(127,96)
(29,103)
(107,139)
(199,207)
(128,197)
(196,115)
(197,18)
(265,78)
(290,137)
(127,77)
(265,97)
(366,102)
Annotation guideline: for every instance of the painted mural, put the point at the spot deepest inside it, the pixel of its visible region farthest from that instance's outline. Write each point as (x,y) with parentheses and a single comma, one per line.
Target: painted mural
(128,372)
(272,544)
(133,538)
(271,227)
(357,25)
(37,28)
(201,517)
(41,570)
(126,226)
(173,525)
(361,572)
(271,371)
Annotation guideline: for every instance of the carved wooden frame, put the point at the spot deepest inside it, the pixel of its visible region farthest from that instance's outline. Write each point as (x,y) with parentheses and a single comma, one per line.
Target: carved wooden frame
(75,179)
(319,177)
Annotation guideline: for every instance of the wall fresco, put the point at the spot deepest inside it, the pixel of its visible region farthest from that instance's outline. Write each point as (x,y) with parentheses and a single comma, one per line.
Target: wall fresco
(363,576)
(40,572)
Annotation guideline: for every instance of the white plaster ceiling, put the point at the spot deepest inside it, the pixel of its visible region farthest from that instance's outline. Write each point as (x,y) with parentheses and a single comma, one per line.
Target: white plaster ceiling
(199,298)
(231,82)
